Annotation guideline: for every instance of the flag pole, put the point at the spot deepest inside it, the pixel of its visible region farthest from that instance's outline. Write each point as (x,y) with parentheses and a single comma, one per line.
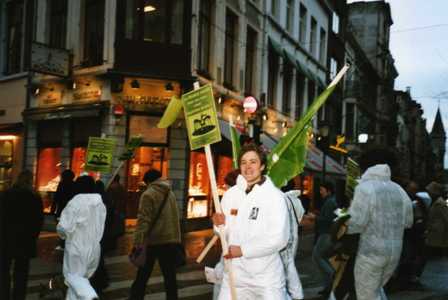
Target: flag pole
(225,248)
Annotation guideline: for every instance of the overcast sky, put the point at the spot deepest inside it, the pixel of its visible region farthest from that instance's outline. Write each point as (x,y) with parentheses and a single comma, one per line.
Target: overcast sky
(419,44)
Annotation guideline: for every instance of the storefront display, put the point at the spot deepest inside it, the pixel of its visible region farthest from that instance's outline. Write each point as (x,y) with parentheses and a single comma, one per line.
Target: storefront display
(199,194)
(6,159)
(48,174)
(146,158)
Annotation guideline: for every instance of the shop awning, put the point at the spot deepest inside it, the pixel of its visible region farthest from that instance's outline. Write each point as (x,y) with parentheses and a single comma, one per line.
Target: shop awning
(290,59)
(302,68)
(277,47)
(92,109)
(314,161)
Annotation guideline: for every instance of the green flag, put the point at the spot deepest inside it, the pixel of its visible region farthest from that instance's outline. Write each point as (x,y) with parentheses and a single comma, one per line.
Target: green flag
(171,112)
(235,145)
(291,147)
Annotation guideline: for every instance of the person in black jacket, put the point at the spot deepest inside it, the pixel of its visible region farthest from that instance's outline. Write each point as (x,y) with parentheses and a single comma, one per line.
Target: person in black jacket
(64,192)
(22,219)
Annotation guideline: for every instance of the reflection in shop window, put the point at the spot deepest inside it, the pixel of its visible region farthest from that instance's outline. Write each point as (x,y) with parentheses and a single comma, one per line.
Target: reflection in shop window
(78,162)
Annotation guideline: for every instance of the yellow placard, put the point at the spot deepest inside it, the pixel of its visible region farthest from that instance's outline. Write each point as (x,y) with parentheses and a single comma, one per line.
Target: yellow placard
(201,118)
(100,152)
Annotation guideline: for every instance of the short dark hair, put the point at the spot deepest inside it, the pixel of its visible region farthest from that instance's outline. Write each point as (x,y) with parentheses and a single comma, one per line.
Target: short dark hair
(67,175)
(151,175)
(377,155)
(328,186)
(85,185)
(252,147)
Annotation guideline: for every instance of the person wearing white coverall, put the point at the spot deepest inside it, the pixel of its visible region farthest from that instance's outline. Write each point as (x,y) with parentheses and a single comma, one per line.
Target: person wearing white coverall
(293,284)
(380,212)
(82,225)
(256,223)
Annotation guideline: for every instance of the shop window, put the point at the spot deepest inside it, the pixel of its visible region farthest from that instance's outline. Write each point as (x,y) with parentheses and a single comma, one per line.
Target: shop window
(78,162)
(225,165)
(6,151)
(199,187)
(48,174)
(200,199)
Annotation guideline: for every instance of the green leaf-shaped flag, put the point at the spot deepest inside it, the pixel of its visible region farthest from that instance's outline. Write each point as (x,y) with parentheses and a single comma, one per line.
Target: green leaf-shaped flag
(171,112)
(287,159)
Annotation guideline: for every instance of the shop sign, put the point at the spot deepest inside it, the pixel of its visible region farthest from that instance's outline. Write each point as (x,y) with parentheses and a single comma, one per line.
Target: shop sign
(142,100)
(50,94)
(99,155)
(87,89)
(48,60)
(201,118)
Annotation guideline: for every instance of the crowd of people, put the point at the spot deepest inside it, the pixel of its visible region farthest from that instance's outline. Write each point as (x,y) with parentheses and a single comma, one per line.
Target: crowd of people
(386,234)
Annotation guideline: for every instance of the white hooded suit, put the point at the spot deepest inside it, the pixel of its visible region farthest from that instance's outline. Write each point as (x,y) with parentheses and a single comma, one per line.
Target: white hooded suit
(81,225)
(380,212)
(258,222)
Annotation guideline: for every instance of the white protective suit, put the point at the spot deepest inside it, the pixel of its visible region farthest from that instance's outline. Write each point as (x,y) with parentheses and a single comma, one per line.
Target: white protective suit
(81,225)
(257,222)
(380,212)
(288,254)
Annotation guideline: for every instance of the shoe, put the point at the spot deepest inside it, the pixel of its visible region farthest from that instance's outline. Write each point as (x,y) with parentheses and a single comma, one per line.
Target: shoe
(59,248)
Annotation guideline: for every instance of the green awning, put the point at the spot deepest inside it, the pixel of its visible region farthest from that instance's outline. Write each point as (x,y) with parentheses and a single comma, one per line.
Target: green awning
(276,46)
(289,58)
(321,83)
(302,69)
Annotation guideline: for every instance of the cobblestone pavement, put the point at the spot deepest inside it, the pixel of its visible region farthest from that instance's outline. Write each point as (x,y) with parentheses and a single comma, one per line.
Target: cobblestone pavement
(191,280)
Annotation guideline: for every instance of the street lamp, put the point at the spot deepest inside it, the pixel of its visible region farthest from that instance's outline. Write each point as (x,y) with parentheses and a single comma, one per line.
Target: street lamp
(324,130)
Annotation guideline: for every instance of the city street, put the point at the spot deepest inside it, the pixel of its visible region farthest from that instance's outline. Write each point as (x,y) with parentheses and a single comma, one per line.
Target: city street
(191,279)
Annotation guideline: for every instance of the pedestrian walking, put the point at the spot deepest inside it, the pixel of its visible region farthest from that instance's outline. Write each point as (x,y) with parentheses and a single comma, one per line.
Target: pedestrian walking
(22,219)
(100,279)
(437,229)
(64,193)
(82,225)
(159,233)
(323,249)
(117,196)
(380,212)
(255,218)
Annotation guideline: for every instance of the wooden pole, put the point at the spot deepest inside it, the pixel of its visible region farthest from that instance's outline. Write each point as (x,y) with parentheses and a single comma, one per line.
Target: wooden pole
(114,174)
(225,247)
(207,248)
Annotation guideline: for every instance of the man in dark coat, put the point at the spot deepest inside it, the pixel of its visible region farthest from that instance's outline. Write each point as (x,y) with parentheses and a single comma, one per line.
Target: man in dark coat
(22,218)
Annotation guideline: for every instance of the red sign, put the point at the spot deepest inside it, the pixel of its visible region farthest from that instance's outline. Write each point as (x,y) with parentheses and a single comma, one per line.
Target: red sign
(250,104)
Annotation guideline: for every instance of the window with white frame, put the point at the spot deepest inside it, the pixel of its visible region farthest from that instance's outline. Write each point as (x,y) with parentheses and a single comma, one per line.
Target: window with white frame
(333,68)
(323,46)
(275,8)
(230,47)
(335,25)
(313,37)
(303,22)
(349,120)
(289,15)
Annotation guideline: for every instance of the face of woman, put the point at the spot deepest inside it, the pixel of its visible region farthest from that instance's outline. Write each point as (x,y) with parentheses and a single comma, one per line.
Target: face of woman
(251,167)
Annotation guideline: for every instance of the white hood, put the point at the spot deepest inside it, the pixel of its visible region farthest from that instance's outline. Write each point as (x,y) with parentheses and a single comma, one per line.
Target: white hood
(377,172)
